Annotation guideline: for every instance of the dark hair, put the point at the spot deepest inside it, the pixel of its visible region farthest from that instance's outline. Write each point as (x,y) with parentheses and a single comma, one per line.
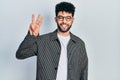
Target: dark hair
(65,6)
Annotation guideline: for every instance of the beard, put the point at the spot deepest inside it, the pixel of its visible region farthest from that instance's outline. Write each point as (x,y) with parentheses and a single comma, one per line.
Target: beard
(61,30)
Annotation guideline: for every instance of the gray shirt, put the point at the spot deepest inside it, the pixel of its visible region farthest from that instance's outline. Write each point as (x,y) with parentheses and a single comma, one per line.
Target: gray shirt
(47,49)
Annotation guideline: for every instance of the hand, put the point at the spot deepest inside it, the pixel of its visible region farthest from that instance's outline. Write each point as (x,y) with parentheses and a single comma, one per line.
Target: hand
(35,25)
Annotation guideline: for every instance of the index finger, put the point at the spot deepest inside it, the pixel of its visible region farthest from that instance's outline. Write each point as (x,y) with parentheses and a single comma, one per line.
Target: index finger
(33,18)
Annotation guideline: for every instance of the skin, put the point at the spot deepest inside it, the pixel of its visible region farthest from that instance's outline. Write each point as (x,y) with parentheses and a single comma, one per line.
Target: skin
(35,25)
(64,25)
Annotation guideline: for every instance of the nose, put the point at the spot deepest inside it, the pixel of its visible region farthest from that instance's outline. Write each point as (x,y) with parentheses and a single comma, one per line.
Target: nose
(64,20)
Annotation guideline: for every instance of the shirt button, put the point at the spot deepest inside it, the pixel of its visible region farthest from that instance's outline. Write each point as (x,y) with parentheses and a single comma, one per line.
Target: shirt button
(56,68)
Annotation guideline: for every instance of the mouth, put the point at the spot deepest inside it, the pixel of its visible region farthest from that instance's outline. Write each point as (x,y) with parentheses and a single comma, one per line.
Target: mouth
(64,26)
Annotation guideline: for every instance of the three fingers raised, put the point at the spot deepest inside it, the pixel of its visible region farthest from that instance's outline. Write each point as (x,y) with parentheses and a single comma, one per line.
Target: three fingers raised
(38,20)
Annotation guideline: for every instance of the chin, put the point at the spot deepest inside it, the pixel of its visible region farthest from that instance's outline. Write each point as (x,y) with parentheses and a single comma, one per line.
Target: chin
(62,30)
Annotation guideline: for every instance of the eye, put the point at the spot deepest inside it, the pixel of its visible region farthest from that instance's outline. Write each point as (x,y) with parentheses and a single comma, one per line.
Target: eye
(60,17)
(68,17)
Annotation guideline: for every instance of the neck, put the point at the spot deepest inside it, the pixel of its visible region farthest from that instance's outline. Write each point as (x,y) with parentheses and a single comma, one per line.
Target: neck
(64,33)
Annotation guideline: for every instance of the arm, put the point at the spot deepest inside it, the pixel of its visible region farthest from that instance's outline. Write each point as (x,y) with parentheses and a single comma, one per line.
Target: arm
(84,73)
(28,47)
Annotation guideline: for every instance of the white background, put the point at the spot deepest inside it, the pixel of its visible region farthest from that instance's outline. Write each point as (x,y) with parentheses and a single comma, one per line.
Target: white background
(97,22)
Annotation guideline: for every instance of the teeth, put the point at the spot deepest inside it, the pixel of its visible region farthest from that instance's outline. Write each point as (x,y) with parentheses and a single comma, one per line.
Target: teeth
(64,25)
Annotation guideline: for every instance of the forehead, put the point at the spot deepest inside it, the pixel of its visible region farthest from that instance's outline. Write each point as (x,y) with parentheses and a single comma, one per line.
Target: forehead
(63,13)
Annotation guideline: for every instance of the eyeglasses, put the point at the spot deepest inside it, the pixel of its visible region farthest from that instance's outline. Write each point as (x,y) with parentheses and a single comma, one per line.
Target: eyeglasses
(67,18)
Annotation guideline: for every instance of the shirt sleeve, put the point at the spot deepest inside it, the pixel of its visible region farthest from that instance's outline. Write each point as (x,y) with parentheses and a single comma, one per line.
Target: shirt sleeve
(27,48)
(84,73)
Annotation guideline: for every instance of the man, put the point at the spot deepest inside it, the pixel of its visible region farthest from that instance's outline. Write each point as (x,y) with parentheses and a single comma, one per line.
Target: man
(60,54)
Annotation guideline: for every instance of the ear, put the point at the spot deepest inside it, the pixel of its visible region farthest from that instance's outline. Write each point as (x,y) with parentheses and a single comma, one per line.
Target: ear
(73,19)
(55,19)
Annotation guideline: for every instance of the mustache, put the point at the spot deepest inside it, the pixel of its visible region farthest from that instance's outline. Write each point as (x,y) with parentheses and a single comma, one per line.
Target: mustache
(63,24)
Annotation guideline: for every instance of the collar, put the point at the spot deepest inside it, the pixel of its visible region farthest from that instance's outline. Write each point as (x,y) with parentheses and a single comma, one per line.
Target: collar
(53,36)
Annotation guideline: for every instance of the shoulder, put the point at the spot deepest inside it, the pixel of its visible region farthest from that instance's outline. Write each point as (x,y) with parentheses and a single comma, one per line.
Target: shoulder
(44,36)
(48,36)
(77,39)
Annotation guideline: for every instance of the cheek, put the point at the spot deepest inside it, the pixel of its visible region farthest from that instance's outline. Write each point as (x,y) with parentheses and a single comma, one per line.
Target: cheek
(70,23)
(58,22)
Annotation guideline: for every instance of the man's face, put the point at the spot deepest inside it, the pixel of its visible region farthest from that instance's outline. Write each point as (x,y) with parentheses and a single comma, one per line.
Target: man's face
(64,21)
